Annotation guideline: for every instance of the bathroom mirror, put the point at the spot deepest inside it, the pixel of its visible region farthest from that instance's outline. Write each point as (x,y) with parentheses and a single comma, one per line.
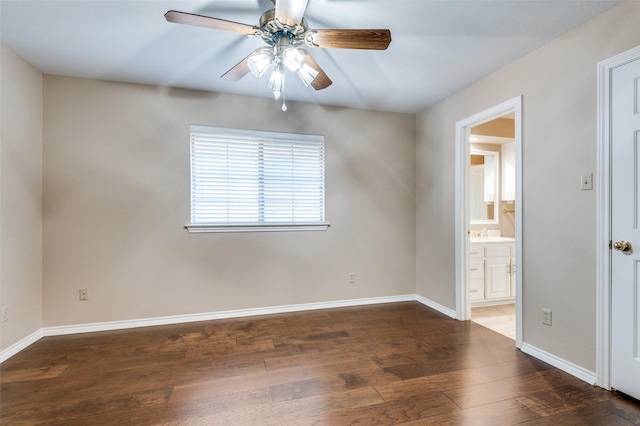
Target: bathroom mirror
(483,186)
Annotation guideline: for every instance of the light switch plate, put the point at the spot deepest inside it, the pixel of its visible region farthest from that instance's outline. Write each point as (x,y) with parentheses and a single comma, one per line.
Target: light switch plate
(586,182)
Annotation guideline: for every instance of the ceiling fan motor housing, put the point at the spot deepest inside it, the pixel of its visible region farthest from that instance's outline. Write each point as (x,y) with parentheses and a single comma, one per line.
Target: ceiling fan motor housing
(271,30)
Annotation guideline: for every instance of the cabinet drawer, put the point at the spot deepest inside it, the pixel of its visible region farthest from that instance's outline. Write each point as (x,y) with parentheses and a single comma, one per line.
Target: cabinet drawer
(498,250)
(477,290)
(476,250)
(476,269)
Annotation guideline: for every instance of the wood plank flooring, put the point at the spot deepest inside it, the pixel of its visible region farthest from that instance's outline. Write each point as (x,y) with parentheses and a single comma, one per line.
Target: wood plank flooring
(399,363)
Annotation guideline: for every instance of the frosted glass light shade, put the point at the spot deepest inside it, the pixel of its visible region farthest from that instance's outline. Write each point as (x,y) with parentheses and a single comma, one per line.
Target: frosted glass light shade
(307,74)
(276,82)
(292,59)
(258,64)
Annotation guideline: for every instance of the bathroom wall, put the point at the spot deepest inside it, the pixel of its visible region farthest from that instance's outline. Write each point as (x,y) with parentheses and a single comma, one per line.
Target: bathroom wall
(506,221)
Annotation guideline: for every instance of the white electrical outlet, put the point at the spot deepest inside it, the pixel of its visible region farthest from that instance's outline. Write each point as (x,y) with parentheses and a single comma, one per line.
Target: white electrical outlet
(84,293)
(546,317)
(352,277)
(5,313)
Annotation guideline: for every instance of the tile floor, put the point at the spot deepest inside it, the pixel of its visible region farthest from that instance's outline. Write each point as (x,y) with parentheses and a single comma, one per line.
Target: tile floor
(499,318)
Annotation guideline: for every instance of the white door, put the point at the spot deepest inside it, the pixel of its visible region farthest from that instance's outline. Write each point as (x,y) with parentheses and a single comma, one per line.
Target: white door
(625,227)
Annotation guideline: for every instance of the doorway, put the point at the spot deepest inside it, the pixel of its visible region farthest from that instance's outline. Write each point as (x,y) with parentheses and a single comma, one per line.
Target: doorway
(491,275)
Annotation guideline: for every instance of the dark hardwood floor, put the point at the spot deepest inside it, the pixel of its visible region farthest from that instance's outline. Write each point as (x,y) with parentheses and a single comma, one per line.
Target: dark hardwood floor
(399,363)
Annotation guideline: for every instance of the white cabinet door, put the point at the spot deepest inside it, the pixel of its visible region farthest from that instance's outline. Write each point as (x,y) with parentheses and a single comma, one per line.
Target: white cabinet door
(509,171)
(498,277)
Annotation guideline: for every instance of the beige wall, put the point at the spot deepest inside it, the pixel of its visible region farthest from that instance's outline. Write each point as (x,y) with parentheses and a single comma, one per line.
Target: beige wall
(558,84)
(20,198)
(116,199)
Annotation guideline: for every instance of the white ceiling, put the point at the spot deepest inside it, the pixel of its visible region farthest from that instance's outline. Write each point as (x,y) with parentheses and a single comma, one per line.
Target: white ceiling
(437,47)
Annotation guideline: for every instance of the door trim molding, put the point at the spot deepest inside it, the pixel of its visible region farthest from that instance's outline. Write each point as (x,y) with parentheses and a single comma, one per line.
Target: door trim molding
(462,159)
(603,215)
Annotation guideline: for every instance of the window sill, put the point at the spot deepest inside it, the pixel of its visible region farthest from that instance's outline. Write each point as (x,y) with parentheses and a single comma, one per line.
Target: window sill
(203,228)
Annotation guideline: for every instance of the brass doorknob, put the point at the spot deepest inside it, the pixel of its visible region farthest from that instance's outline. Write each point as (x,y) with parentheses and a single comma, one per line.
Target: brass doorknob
(622,245)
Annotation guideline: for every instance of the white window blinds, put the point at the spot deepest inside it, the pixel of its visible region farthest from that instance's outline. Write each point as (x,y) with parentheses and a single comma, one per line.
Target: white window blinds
(247,179)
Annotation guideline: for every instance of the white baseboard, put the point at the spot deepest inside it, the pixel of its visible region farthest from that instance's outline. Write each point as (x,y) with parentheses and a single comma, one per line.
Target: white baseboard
(239,313)
(451,313)
(562,364)
(177,319)
(492,303)
(20,345)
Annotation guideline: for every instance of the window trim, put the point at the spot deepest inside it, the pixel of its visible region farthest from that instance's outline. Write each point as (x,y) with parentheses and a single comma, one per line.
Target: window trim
(253,226)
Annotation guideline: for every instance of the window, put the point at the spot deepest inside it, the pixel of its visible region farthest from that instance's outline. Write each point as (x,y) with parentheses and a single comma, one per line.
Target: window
(244,180)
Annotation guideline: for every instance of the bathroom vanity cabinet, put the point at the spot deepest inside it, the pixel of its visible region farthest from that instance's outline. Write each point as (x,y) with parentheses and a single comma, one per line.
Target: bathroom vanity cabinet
(492,271)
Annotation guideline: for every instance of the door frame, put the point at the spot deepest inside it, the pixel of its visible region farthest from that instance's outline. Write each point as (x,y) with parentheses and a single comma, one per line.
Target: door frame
(603,227)
(462,171)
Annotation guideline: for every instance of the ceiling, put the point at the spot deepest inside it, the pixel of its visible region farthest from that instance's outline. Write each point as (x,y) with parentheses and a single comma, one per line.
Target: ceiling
(437,47)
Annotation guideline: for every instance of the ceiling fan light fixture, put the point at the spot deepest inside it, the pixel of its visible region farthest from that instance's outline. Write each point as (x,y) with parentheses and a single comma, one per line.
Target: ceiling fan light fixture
(258,64)
(284,29)
(307,74)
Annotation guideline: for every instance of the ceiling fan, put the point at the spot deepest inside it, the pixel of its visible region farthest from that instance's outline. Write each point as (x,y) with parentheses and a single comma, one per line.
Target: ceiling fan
(285,32)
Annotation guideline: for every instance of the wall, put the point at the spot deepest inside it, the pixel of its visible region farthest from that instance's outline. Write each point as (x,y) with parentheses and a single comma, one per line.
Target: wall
(20,198)
(558,84)
(116,199)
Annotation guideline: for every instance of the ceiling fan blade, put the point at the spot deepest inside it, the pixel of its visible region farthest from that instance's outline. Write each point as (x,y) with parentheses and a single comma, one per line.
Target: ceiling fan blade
(242,68)
(322,80)
(209,22)
(290,12)
(352,39)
